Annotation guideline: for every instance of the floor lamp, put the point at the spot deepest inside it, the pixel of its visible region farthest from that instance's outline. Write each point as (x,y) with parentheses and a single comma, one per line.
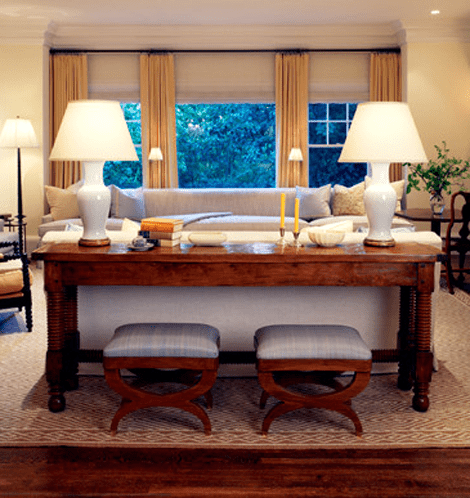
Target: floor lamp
(93,131)
(295,157)
(17,134)
(381,133)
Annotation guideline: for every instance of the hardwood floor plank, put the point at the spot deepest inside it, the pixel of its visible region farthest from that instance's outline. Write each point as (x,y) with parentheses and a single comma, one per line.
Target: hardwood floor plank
(115,472)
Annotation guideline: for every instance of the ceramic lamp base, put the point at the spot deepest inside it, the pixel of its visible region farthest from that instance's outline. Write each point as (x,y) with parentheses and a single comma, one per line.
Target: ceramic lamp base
(380,200)
(94,242)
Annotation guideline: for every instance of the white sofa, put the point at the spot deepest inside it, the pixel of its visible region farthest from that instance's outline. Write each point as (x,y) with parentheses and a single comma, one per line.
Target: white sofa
(250,209)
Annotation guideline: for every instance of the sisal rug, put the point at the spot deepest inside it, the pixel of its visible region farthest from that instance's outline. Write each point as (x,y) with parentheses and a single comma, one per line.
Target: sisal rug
(386,414)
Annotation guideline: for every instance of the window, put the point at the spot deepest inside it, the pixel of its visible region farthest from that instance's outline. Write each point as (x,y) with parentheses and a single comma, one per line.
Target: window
(328,125)
(226,145)
(127,174)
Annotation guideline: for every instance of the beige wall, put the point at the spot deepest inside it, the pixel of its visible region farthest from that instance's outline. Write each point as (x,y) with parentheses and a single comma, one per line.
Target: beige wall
(437,87)
(22,93)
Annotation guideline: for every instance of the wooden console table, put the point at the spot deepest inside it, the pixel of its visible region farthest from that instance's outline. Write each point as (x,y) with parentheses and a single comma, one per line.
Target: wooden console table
(409,266)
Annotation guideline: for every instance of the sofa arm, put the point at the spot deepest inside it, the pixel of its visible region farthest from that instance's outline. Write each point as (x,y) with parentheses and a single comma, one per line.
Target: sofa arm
(47,218)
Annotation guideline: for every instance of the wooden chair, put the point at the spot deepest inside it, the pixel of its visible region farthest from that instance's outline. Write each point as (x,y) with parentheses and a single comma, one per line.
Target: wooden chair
(457,244)
(15,280)
(300,354)
(189,350)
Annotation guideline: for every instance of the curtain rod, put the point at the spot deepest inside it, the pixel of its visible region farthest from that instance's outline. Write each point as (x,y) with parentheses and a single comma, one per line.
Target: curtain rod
(209,51)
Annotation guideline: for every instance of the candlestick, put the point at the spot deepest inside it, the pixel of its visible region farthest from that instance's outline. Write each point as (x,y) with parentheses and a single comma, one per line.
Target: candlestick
(296,220)
(296,242)
(283,210)
(282,240)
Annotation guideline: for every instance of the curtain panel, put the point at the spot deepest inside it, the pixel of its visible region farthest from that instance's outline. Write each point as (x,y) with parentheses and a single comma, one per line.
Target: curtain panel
(291,118)
(386,86)
(68,81)
(157,99)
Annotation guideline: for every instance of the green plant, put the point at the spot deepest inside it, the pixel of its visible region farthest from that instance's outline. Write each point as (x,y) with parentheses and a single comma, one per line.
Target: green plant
(438,176)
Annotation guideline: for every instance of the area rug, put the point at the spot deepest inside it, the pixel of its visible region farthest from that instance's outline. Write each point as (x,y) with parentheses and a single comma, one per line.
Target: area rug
(385,412)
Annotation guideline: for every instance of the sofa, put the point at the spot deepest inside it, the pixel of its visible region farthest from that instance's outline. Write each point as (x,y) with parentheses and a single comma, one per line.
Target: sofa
(246,209)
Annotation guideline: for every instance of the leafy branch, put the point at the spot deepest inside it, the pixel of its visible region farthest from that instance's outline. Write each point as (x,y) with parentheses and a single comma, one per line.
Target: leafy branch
(440,175)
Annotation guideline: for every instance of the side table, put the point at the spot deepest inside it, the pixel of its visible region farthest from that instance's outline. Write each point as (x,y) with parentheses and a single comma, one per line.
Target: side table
(423,214)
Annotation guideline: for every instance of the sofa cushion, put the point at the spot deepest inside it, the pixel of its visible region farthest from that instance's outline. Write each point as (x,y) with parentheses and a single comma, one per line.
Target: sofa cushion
(360,222)
(314,202)
(243,223)
(60,225)
(127,203)
(349,200)
(245,201)
(62,203)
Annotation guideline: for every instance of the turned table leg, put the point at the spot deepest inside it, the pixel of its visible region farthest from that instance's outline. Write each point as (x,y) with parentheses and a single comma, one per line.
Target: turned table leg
(406,338)
(55,350)
(424,356)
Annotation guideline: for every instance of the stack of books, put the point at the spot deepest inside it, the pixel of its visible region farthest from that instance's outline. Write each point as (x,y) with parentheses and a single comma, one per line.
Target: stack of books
(164,232)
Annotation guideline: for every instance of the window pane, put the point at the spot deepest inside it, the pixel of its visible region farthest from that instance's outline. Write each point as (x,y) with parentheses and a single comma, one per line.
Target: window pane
(127,174)
(317,133)
(337,133)
(317,112)
(225,145)
(324,168)
(124,174)
(337,112)
(352,111)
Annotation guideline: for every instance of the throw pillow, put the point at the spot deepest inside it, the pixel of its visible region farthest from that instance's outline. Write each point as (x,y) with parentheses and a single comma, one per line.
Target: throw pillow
(348,200)
(398,186)
(130,226)
(127,203)
(62,203)
(314,202)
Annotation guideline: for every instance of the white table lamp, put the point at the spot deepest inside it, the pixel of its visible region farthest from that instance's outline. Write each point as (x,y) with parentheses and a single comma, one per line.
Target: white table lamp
(382,133)
(93,131)
(17,134)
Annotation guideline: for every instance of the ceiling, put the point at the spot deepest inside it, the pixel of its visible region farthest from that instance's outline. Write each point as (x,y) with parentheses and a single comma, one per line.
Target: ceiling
(228,12)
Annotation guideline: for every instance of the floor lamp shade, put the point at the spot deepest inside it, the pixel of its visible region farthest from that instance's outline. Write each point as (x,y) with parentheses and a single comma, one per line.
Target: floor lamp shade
(381,133)
(93,131)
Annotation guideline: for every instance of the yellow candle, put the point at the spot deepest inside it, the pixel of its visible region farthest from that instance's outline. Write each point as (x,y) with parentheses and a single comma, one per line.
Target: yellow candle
(296,221)
(283,210)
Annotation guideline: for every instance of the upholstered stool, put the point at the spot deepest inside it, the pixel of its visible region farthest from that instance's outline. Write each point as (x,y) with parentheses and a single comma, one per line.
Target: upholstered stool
(189,350)
(300,354)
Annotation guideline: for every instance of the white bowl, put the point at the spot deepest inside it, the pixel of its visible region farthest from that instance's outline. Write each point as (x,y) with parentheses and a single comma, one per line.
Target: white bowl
(326,238)
(207,238)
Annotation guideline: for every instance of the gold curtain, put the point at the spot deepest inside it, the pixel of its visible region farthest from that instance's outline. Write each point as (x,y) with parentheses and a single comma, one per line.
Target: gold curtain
(157,99)
(386,86)
(291,117)
(68,81)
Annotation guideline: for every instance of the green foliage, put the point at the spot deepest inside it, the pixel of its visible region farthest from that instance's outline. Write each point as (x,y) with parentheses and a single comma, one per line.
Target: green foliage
(226,145)
(325,168)
(438,175)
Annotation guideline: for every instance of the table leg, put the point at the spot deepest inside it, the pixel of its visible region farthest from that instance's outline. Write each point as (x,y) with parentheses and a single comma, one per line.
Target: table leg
(55,350)
(72,339)
(406,338)
(424,356)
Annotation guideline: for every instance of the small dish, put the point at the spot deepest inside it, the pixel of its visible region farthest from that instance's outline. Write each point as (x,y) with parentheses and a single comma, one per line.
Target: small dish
(207,238)
(326,238)
(146,247)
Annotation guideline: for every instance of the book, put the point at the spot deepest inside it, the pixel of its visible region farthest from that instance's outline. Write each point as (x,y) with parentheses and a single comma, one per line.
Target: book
(161,224)
(148,234)
(164,242)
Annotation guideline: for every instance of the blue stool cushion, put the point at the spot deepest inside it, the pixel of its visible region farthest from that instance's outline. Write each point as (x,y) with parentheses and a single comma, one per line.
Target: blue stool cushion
(314,342)
(157,340)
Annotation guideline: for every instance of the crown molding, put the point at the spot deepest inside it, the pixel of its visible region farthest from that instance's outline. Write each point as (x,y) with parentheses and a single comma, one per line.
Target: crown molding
(185,37)
(227,37)
(433,31)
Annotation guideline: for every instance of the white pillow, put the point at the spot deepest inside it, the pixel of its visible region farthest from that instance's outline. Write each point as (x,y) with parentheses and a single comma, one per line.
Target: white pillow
(314,202)
(129,226)
(62,203)
(127,203)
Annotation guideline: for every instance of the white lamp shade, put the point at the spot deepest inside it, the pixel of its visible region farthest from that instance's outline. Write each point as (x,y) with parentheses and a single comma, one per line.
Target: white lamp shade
(93,130)
(295,154)
(383,132)
(155,154)
(18,133)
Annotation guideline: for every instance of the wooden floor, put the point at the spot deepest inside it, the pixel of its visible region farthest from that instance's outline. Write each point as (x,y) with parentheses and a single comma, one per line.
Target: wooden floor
(92,472)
